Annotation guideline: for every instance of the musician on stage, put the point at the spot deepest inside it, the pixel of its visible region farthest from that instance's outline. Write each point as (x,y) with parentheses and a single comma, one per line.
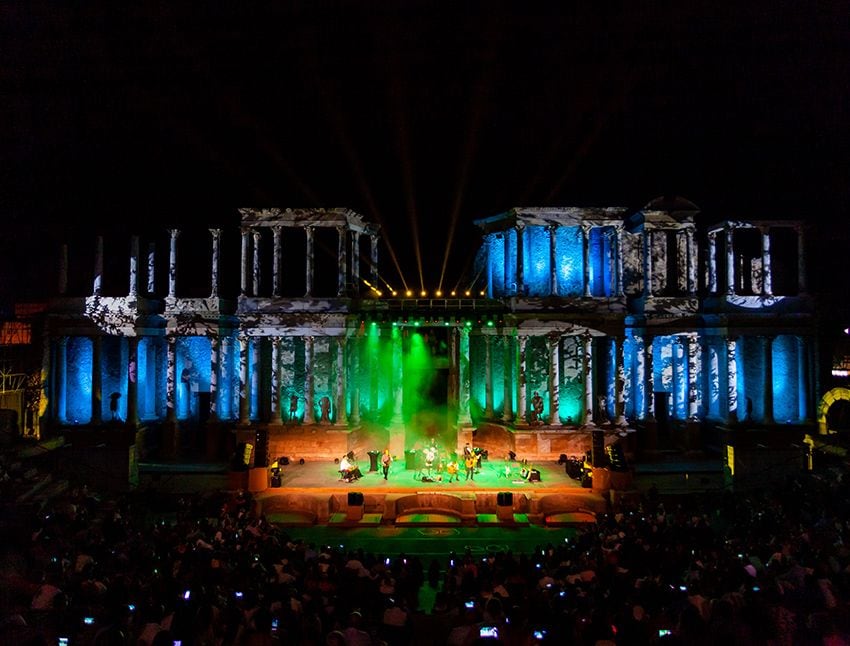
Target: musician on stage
(431,453)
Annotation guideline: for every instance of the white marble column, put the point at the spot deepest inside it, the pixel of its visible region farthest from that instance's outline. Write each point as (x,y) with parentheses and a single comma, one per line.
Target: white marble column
(507,382)
(216,260)
(244,383)
(521,395)
(712,263)
(766,269)
(488,377)
(732,380)
(342,273)
(649,378)
(464,377)
(254,373)
(277,250)
(245,259)
(618,230)
(134,266)
(693,371)
(553,343)
(730,261)
(620,381)
(341,413)
(355,261)
(309,381)
(647,262)
(309,260)
(587,365)
(553,260)
(215,367)
(373,246)
(692,262)
(171,378)
(585,253)
(256,234)
(172,262)
(277,411)
(520,260)
(151,267)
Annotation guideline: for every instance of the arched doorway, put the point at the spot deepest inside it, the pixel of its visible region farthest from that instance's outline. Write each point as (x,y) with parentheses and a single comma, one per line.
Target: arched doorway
(834,411)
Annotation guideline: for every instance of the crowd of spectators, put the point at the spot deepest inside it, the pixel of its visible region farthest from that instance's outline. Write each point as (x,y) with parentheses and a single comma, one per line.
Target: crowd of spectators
(760,567)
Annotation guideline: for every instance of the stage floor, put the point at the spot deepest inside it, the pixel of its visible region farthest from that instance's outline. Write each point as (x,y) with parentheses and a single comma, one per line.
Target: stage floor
(324,476)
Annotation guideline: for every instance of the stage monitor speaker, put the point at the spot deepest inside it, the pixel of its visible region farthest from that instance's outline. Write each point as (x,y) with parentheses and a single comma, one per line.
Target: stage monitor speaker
(505,499)
(355,499)
(276,481)
(534,476)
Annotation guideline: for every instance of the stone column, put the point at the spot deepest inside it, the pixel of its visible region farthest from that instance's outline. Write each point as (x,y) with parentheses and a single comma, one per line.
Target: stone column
(151,268)
(277,410)
(215,367)
(255,373)
(553,342)
(97,287)
(506,282)
(647,262)
(766,269)
(373,245)
(310,260)
(244,383)
(649,378)
(172,263)
(355,261)
(553,261)
(216,260)
(342,274)
(134,266)
(768,380)
(488,378)
(464,417)
(618,231)
(587,343)
(693,371)
(730,261)
(171,379)
(227,368)
(521,395)
(277,250)
(341,414)
(309,414)
(620,381)
(731,380)
(398,377)
(256,273)
(712,263)
(507,383)
(97,381)
(354,358)
(520,260)
(692,262)
(585,253)
(246,252)
(133,381)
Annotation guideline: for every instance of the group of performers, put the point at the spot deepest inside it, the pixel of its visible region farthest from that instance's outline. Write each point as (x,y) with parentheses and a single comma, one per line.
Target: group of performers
(436,464)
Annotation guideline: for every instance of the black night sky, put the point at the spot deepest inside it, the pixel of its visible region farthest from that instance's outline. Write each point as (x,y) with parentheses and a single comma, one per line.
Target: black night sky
(421,115)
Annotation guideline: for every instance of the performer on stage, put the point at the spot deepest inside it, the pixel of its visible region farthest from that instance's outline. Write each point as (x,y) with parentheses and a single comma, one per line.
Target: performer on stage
(386,459)
(431,453)
(453,470)
(348,469)
(469,461)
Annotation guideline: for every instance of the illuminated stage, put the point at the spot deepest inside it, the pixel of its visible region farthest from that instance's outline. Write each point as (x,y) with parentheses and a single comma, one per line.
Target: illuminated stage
(312,493)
